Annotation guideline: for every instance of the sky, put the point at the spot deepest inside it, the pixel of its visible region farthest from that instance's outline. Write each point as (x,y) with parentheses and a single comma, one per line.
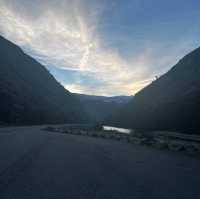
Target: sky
(103,47)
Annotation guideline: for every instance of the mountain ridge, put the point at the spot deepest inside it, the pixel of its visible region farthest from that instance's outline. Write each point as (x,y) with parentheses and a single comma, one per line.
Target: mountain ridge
(172,102)
(99,108)
(30,94)
(117,98)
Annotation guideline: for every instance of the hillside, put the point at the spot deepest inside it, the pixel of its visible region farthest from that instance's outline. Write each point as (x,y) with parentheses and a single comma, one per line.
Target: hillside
(170,103)
(100,108)
(29,93)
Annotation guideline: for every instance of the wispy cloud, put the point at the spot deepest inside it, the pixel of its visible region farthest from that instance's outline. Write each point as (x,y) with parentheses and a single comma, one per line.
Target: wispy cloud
(65,34)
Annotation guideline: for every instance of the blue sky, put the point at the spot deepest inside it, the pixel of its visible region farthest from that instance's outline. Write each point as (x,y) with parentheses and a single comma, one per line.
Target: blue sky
(103,47)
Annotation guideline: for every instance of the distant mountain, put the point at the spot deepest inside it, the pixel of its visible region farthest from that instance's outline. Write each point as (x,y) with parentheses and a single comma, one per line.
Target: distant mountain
(100,108)
(170,103)
(29,93)
(118,99)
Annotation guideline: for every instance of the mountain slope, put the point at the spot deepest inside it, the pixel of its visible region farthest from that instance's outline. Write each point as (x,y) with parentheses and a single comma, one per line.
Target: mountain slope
(29,93)
(170,103)
(100,108)
(118,99)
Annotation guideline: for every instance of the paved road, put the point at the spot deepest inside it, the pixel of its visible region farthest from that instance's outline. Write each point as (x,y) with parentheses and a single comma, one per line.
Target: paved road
(36,164)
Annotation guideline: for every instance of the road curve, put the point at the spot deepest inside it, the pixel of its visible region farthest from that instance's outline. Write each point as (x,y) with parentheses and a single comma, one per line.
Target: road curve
(44,165)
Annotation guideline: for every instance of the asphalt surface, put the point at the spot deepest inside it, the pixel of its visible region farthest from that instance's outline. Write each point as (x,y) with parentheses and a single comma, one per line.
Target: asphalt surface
(35,164)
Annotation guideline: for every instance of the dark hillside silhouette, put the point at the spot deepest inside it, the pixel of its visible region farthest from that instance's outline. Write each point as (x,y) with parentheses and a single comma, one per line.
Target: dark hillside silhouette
(29,94)
(172,102)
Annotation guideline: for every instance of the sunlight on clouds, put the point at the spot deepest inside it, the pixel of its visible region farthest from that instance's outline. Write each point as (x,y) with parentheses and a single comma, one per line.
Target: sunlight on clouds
(62,44)
(74,88)
(112,87)
(69,40)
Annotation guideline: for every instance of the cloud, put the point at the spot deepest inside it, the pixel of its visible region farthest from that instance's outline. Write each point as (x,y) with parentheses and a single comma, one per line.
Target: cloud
(65,34)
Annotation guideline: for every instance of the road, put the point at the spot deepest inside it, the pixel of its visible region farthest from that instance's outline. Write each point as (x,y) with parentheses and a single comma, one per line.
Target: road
(36,164)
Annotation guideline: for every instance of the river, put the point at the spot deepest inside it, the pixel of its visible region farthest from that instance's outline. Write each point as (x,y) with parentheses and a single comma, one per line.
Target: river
(120,130)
